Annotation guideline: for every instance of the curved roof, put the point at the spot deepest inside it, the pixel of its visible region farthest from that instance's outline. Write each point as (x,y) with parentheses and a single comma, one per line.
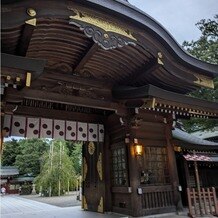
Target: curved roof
(206,134)
(156,58)
(9,171)
(191,139)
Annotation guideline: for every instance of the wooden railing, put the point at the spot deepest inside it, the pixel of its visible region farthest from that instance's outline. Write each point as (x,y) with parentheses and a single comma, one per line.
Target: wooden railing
(203,203)
(157,197)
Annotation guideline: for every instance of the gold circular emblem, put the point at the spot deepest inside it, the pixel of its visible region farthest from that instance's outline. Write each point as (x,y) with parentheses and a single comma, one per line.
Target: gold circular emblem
(31,12)
(91,148)
(106,35)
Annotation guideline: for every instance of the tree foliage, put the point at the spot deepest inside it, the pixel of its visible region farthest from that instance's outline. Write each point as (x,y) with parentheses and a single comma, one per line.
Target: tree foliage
(51,162)
(56,170)
(76,157)
(10,152)
(205,49)
(29,159)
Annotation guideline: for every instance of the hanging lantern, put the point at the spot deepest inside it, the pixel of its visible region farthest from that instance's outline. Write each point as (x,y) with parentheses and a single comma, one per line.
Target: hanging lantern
(138,148)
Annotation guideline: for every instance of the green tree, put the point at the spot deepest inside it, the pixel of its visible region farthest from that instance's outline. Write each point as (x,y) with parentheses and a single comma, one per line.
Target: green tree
(205,49)
(76,157)
(57,173)
(10,152)
(28,161)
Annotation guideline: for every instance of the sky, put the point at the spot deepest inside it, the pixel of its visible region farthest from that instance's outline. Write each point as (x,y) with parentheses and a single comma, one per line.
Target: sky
(179,16)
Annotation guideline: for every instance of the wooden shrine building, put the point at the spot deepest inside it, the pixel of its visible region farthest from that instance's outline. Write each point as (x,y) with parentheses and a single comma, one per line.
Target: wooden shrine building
(105,73)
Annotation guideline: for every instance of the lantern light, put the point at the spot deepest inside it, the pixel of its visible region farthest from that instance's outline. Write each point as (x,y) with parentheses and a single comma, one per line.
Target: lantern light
(138,148)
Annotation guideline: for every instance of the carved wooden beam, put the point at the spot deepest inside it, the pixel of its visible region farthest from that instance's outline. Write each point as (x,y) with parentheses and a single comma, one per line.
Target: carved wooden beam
(66,99)
(90,52)
(75,79)
(52,114)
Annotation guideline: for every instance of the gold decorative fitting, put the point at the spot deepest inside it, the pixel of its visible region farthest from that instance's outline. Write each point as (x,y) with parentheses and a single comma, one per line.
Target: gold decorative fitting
(101,205)
(17,79)
(31,12)
(106,34)
(160,58)
(177,148)
(101,23)
(99,166)
(31,22)
(91,148)
(84,203)
(149,103)
(28,79)
(204,81)
(85,169)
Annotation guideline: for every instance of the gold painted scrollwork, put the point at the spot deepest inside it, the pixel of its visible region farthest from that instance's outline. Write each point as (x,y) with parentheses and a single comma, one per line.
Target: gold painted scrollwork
(105,33)
(101,23)
(204,81)
(85,169)
(99,166)
(91,148)
(101,205)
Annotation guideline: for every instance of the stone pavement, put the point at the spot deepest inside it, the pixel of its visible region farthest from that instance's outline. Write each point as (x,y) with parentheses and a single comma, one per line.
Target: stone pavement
(14,206)
(67,200)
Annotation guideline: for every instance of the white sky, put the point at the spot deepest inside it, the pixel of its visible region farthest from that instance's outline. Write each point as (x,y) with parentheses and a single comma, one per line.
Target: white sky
(179,16)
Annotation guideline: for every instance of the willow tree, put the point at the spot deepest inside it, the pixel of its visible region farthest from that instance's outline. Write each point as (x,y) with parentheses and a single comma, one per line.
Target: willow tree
(57,174)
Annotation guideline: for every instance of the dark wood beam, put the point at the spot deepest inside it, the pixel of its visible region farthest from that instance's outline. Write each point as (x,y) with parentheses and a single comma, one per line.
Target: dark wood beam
(26,37)
(89,53)
(69,78)
(53,114)
(125,93)
(66,99)
(149,69)
(23,63)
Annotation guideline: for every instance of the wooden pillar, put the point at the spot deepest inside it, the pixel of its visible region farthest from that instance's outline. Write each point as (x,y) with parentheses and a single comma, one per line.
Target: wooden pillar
(198,186)
(107,164)
(173,168)
(134,179)
(187,176)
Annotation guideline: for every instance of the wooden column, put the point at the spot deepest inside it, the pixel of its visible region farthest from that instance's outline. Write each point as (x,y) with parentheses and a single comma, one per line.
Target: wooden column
(185,163)
(107,164)
(198,186)
(134,179)
(172,167)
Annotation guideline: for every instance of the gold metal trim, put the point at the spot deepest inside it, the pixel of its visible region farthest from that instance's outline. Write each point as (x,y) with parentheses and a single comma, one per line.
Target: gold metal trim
(99,166)
(31,12)
(101,205)
(31,22)
(28,79)
(149,103)
(101,23)
(204,81)
(85,169)
(84,203)
(91,148)
(160,58)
